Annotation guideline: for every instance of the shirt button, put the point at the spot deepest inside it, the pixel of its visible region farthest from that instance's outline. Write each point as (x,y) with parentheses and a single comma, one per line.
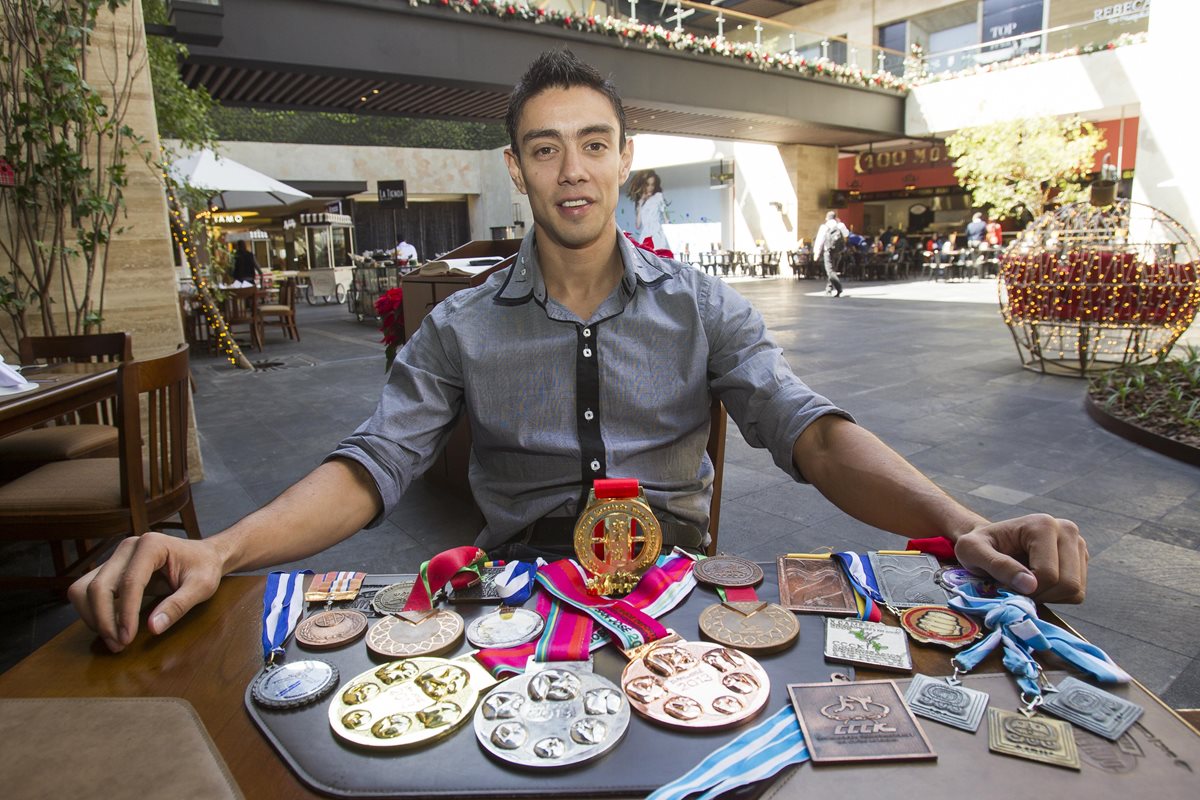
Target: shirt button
(595,465)
(587,332)
(522,273)
(588,415)
(587,352)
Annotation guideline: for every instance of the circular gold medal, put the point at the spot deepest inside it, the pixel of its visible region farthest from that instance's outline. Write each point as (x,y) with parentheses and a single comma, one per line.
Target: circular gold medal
(939,625)
(725,570)
(752,627)
(616,540)
(407,703)
(696,685)
(415,633)
(330,629)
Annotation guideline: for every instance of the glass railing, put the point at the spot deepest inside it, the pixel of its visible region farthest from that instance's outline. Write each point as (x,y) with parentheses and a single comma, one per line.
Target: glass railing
(1080,37)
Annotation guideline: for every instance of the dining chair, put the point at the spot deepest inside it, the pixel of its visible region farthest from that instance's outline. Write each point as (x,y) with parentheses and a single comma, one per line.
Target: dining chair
(86,433)
(106,498)
(241,310)
(283,312)
(718,422)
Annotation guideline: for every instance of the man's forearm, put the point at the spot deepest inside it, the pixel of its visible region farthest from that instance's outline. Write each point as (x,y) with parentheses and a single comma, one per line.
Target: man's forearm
(868,480)
(331,503)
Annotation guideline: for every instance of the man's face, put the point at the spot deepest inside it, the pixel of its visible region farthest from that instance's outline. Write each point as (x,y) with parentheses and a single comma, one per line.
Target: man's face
(571,164)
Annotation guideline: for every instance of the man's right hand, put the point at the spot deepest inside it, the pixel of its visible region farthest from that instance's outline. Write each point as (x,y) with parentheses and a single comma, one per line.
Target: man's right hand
(109,598)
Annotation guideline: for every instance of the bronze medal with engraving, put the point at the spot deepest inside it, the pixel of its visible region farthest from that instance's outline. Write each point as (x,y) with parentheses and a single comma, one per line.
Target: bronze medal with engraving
(391,599)
(729,571)
(331,628)
(862,721)
(408,703)
(939,625)
(415,633)
(753,627)
(694,685)
(1035,737)
(816,584)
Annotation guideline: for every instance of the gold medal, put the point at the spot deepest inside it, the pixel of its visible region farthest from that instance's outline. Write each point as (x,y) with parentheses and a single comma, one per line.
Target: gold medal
(752,627)
(415,633)
(1032,736)
(617,537)
(408,703)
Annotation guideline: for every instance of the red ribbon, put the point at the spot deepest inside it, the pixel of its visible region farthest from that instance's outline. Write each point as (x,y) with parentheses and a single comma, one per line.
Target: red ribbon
(648,244)
(939,547)
(458,566)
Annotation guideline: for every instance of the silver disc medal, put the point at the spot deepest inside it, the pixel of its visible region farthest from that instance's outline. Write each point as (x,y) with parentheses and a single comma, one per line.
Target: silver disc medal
(504,627)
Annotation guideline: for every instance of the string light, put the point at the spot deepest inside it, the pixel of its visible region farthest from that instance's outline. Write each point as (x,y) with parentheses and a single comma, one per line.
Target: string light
(1080,288)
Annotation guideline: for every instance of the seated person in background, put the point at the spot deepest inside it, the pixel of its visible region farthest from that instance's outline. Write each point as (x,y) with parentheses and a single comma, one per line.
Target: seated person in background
(245,265)
(561,361)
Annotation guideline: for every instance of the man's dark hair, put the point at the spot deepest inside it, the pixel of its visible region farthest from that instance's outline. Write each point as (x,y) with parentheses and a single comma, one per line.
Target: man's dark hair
(558,69)
(399,236)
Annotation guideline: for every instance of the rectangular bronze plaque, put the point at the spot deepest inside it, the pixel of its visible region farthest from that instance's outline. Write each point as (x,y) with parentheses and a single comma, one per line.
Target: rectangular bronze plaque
(815,585)
(906,581)
(860,642)
(862,721)
(1037,738)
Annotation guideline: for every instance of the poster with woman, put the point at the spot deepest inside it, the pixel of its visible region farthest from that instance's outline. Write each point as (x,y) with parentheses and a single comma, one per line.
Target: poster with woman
(646,192)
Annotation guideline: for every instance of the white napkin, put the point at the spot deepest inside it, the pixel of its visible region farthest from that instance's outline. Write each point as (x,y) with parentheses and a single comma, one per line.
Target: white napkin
(10,378)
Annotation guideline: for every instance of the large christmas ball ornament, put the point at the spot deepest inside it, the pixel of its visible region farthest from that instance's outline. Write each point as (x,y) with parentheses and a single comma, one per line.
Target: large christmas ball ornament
(1089,288)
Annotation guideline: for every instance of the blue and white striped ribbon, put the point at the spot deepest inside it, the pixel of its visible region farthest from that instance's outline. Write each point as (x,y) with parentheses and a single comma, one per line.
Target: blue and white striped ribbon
(862,578)
(283,602)
(514,582)
(757,754)
(1013,620)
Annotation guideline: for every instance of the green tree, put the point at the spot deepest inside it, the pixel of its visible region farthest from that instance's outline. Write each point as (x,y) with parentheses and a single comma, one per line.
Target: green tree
(1025,164)
(183,113)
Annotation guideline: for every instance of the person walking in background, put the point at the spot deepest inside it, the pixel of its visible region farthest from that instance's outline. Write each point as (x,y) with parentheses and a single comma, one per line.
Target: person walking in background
(831,241)
(645,190)
(403,251)
(245,265)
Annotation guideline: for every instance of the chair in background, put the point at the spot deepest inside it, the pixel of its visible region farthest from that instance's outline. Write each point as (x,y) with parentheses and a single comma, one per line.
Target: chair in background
(241,311)
(716,453)
(87,433)
(105,498)
(283,312)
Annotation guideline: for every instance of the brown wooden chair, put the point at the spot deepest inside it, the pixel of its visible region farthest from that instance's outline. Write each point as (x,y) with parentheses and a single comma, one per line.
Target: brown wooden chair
(241,310)
(283,312)
(87,433)
(104,498)
(716,454)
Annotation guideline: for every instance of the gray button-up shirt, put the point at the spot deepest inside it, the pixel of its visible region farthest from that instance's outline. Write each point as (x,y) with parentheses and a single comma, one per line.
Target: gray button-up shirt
(555,401)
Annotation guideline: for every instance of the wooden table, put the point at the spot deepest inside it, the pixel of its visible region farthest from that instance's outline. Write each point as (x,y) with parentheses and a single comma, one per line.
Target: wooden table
(208,659)
(61,388)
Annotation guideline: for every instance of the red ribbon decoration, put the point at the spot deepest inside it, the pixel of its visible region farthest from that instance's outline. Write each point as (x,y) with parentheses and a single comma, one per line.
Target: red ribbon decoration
(442,569)
(648,244)
(939,547)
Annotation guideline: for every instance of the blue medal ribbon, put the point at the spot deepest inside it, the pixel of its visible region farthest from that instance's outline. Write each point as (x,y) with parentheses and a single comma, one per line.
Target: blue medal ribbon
(514,583)
(862,579)
(1013,620)
(755,755)
(283,602)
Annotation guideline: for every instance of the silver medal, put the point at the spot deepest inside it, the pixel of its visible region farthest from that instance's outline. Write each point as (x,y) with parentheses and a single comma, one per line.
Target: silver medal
(938,700)
(504,627)
(555,715)
(1095,710)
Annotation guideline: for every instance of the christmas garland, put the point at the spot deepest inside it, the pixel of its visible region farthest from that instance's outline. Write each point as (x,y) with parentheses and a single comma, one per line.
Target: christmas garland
(920,78)
(656,36)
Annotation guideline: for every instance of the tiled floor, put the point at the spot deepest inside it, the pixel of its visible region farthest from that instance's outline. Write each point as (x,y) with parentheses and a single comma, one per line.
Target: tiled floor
(939,381)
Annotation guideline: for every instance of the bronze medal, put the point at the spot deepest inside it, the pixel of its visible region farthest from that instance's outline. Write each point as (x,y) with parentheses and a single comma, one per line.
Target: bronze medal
(725,570)
(1036,737)
(695,685)
(752,627)
(392,599)
(415,633)
(407,703)
(815,585)
(862,721)
(329,629)
(939,625)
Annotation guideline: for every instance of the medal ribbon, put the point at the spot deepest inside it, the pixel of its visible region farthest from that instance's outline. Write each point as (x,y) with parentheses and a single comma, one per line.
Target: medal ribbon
(755,755)
(514,583)
(862,580)
(624,617)
(1014,621)
(283,602)
(459,566)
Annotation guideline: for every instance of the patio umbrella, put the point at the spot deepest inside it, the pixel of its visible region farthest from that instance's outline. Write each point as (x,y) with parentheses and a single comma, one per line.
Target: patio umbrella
(234,185)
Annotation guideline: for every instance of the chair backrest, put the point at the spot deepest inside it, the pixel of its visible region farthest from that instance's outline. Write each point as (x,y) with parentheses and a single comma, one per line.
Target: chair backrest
(92,347)
(287,293)
(241,305)
(153,399)
(716,454)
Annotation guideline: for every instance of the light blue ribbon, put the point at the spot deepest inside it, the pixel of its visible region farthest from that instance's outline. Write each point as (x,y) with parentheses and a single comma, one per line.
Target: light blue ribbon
(1013,620)
(862,578)
(757,754)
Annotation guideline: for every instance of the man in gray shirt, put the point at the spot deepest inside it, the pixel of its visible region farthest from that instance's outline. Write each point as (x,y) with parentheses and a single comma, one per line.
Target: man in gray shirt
(587,358)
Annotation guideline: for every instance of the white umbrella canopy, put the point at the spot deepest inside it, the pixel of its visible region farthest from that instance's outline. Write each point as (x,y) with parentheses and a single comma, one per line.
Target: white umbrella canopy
(233,185)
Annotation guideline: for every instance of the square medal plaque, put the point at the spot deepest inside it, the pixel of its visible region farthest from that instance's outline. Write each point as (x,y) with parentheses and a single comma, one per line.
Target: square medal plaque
(906,581)
(857,641)
(1093,709)
(863,721)
(956,705)
(815,585)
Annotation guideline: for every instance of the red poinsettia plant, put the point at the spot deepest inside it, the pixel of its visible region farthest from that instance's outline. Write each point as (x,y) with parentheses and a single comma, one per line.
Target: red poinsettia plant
(390,308)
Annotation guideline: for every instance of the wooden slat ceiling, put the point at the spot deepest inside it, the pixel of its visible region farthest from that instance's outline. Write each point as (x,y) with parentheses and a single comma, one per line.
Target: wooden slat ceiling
(237,86)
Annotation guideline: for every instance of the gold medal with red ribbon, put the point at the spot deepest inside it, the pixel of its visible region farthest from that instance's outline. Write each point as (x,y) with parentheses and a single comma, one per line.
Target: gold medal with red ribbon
(617,537)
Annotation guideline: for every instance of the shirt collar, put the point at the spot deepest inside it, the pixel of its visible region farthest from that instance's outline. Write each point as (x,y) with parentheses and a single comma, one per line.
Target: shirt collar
(524,280)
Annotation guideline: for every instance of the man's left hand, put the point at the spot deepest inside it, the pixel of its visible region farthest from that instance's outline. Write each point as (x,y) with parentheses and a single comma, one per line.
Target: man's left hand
(1036,555)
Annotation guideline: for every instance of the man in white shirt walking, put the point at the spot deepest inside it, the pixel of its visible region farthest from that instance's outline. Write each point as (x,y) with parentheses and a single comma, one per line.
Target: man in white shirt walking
(831,243)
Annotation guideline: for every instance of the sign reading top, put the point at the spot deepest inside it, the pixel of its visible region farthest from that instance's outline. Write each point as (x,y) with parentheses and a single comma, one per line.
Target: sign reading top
(393,194)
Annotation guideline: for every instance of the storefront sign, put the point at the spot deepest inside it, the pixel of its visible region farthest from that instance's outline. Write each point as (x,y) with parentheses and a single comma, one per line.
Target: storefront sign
(1005,18)
(393,194)
(1140,8)
(885,160)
